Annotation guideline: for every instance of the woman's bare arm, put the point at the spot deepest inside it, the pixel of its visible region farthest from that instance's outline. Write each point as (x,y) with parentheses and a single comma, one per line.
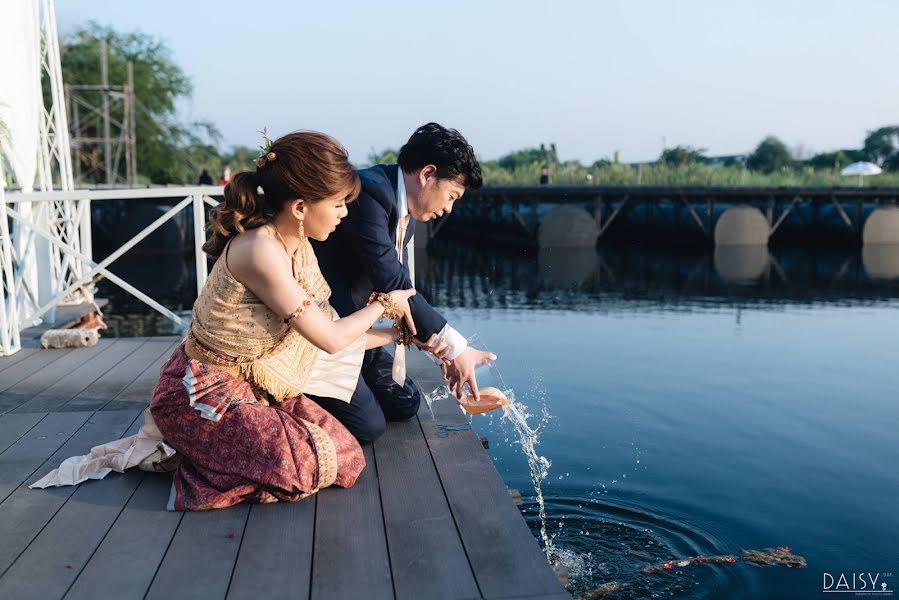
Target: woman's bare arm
(262,266)
(381,336)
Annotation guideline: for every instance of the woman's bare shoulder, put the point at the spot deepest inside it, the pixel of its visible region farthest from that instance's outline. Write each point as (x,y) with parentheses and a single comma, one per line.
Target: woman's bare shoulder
(253,253)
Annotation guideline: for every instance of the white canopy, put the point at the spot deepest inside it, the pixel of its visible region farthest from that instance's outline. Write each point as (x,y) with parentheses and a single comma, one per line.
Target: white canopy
(861,169)
(20,87)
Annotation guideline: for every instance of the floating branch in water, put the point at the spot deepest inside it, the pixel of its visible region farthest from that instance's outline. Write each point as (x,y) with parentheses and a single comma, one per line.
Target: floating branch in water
(686,562)
(780,556)
(606,588)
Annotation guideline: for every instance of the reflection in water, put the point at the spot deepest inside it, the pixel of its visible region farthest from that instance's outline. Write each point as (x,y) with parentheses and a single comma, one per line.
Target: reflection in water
(578,278)
(881,261)
(589,279)
(169,277)
(568,267)
(741,264)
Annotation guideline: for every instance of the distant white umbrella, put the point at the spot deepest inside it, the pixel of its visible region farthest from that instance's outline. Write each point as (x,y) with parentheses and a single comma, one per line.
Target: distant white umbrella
(861,169)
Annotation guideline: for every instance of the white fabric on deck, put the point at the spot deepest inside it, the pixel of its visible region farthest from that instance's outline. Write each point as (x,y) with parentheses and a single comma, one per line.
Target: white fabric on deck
(146,450)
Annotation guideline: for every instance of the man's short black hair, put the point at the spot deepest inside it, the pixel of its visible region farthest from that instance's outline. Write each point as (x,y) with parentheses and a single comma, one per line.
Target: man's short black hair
(446,149)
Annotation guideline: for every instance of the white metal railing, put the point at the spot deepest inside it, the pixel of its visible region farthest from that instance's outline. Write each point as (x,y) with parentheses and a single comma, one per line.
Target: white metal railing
(48,258)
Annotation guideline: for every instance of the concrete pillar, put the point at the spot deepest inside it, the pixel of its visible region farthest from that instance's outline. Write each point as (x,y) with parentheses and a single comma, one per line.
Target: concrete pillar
(882,226)
(568,226)
(742,225)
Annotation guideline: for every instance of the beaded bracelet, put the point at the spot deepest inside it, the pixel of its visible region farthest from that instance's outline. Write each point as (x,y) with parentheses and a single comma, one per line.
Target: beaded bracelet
(300,310)
(391,310)
(405,338)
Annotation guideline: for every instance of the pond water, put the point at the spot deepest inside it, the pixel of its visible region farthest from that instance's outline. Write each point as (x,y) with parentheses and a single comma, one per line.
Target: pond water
(692,413)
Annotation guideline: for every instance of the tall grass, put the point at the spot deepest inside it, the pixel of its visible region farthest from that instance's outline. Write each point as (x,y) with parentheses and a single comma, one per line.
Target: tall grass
(693,174)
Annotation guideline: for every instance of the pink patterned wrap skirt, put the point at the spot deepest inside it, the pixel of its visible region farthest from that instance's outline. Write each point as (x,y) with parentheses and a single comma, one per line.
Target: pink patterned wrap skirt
(236,448)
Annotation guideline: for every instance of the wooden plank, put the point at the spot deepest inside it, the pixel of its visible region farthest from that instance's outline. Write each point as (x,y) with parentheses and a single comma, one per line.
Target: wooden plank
(25,512)
(139,391)
(504,555)
(350,558)
(53,374)
(130,554)
(104,389)
(19,461)
(12,427)
(32,364)
(275,557)
(201,558)
(89,371)
(427,557)
(8,361)
(50,564)
(46,377)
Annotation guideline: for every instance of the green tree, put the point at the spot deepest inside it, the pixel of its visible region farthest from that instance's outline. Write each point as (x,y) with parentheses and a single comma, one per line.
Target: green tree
(769,156)
(528,157)
(882,145)
(168,151)
(681,156)
(835,160)
(241,158)
(384,157)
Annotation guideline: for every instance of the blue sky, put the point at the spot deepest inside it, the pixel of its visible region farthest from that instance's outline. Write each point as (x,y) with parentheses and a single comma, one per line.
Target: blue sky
(593,77)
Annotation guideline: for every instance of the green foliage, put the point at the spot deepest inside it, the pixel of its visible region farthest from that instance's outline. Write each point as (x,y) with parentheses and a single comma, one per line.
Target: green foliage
(168,151)
(882,146)
(240,158)
(681,156)
(836,160)
(699,174)
(769,156)
(384,157)
(529,156)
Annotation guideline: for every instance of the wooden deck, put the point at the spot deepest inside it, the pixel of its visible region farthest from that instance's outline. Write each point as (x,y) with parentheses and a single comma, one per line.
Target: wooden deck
(429,517)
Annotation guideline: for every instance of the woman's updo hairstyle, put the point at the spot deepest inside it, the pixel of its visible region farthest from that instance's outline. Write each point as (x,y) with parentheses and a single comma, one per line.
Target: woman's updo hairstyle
(303,165)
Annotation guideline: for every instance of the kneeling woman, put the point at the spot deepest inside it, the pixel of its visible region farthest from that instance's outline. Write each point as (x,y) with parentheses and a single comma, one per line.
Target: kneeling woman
(230,399)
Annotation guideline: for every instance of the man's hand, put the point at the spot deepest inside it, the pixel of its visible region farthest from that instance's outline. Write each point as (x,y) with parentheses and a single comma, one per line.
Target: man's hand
(435,345)
(460,371)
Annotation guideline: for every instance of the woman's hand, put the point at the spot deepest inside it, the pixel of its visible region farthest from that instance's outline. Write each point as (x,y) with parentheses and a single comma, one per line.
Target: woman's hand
(401,299)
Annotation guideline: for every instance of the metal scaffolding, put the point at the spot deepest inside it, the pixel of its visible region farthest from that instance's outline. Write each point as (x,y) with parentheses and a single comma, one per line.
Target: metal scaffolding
(102,119)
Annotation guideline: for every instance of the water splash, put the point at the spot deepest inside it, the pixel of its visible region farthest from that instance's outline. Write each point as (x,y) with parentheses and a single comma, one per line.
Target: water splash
(441,393)
(516,413)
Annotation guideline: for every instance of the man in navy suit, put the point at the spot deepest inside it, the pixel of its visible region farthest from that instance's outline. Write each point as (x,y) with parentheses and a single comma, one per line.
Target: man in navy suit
(364,255)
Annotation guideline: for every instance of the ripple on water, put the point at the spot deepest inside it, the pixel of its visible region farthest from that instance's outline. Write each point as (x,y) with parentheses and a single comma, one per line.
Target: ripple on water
(598,542)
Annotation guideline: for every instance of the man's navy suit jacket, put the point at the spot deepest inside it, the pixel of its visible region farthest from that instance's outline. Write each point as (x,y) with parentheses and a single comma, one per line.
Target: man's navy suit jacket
(360,256)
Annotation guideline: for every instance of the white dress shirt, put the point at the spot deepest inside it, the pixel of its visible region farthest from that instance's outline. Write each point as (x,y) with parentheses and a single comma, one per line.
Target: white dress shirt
(455,340)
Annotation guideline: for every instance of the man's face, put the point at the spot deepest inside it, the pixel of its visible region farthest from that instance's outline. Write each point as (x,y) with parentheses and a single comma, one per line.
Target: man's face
(434,197)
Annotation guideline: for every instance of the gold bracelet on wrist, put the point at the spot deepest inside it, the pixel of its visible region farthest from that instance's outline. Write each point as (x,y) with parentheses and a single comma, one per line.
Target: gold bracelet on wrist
(391,310)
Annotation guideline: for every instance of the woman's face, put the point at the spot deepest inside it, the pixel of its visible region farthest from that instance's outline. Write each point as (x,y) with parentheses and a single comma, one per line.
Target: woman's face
(321,218)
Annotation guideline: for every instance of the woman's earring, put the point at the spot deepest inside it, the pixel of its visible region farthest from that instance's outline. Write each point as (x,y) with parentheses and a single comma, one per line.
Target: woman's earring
(302,230)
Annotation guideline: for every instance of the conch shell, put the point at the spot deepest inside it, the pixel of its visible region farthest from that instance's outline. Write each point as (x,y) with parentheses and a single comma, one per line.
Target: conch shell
(491,398)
